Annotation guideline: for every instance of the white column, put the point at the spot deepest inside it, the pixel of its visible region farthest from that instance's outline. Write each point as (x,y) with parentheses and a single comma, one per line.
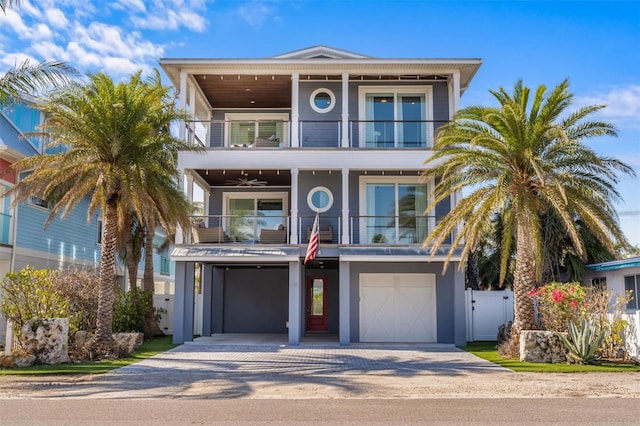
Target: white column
(183,101)
(345,206)
(456,91)
(181,236)
(344,302)
(345,110)
(295,113)
(295,304)
(293,224)
(192,113)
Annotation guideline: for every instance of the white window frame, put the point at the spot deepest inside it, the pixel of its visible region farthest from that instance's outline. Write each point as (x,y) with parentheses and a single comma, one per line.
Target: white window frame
(312,99)
(260,116)
(363,91)
(253,195)
(313,192)
(393,180)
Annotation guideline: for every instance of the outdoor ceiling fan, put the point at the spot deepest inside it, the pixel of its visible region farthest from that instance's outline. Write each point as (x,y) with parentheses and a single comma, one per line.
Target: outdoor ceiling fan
(244,180)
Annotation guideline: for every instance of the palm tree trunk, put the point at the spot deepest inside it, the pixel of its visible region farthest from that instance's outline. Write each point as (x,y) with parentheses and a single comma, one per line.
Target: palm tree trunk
(148,283)
(104,321)
(132,265)
(150,326)
(524,281)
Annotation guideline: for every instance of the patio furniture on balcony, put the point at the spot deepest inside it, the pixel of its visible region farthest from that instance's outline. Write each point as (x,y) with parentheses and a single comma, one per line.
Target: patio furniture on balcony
(325,235)
(273,236)
(209,235)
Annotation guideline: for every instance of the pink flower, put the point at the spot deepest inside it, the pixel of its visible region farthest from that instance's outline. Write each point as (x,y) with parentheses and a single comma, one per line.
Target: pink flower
(574,303)
(557,295)
(533,293)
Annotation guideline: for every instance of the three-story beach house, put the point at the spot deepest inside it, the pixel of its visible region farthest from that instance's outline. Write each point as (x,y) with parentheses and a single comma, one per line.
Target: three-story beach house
(316,132)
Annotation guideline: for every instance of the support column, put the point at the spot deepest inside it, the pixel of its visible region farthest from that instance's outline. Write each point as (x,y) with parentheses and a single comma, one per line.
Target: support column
(217,304)
(192,114)
(183,303)
(344,319)
(293,225)
(295,110)
(183,102)
(456,91)
(295,304)
(346,225)
(459,314)
(207,299)
(345,110)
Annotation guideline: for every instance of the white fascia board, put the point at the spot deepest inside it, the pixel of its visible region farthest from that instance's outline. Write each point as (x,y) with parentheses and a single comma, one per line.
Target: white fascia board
(10,155)
(236,259)
(325,159)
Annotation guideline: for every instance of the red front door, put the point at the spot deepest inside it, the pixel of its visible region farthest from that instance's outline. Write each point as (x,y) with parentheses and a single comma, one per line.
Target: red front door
(316,304)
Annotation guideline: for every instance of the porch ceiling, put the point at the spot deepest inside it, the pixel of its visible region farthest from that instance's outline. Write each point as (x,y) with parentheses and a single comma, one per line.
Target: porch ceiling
(245,178)
(246,91)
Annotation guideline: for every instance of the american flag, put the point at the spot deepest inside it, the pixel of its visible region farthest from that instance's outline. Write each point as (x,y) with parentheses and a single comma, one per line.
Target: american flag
(313,241)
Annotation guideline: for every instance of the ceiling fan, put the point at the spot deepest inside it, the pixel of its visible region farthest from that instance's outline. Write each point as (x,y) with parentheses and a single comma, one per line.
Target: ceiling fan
(244,180)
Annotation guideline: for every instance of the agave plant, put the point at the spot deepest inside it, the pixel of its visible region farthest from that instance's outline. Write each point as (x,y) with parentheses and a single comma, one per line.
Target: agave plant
(584,342)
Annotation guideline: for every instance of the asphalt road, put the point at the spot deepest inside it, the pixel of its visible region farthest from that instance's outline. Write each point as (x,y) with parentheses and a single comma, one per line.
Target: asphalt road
(519,411)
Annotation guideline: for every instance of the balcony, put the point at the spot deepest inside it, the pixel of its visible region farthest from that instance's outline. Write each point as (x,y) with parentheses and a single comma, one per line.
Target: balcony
(316,134)
(363,230)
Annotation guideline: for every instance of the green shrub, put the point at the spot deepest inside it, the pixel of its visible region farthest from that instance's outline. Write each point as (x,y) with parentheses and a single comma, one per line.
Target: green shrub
(131,310)
(29,294)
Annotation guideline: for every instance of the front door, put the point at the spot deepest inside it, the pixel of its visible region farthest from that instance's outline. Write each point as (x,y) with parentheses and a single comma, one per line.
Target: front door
(316,304)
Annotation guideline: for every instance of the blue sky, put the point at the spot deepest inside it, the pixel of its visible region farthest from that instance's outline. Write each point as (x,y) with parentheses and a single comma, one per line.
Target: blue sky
(594,44)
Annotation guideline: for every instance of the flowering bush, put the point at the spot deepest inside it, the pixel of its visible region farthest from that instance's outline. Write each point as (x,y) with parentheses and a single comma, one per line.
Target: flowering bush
(559,304)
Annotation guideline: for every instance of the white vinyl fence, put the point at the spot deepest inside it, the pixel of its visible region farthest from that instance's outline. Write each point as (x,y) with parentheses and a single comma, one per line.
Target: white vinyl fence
(486,311)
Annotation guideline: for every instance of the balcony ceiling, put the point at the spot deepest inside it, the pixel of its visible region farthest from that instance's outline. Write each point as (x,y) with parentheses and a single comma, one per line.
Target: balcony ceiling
(246,91)
(246,178)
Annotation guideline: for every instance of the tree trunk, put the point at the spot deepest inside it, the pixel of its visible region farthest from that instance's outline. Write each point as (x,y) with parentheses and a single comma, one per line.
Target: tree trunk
(473,271)
(130,256)
(524,281)
(150,325)
(104,321)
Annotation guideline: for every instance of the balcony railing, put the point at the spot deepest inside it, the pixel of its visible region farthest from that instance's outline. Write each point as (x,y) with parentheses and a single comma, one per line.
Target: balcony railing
(262,229)
(372,134)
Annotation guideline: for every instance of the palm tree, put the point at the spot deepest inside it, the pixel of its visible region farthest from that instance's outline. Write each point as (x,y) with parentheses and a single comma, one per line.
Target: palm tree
(31,79)
(520,159)
(112,141)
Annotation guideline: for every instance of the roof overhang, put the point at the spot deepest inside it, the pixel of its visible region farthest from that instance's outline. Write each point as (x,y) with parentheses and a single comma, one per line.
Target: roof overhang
(632,262)
(225,254)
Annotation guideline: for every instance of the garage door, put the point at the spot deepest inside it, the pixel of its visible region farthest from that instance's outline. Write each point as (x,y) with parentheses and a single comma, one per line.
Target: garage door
(398,308)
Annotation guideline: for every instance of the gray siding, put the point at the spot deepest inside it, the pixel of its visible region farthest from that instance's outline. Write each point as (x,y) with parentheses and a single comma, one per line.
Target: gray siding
(306,182)
(444,294)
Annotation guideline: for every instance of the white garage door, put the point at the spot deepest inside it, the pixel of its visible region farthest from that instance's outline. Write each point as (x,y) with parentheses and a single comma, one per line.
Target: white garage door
(398,308)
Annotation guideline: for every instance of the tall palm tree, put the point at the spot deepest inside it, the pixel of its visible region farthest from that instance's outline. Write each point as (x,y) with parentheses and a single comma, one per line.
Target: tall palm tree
(31,79)
(520,159)
(111,135)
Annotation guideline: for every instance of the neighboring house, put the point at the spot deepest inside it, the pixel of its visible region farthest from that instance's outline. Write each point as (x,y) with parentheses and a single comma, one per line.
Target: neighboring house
(328,131)
(619,277)
(72,242)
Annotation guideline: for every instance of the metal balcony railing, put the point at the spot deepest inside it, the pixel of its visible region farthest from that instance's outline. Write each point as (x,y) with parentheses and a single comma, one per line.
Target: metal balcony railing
(263,229)
(372,134)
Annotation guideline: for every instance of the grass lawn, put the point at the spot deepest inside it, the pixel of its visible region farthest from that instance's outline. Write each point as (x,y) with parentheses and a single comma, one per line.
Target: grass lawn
(489,351)
(148,349)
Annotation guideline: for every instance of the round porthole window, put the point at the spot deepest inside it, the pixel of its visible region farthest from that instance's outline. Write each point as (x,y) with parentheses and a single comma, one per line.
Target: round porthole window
(322,100)
(320,199)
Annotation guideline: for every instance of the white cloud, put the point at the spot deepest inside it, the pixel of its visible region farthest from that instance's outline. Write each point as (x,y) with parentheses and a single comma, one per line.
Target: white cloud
(56,18)
(170,15)
(623,105)
(256,13)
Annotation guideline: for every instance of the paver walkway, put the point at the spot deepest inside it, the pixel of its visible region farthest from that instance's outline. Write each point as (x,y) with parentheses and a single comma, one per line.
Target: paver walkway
(207,369)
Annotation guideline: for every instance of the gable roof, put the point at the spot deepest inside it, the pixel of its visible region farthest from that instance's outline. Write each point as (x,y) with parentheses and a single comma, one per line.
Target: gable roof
(321,52)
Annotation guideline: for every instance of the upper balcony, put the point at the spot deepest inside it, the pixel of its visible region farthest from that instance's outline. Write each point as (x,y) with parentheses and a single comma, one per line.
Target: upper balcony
(313,134)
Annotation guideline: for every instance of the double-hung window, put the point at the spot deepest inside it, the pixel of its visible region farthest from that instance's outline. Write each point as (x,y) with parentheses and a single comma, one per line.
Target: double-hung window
(395,116)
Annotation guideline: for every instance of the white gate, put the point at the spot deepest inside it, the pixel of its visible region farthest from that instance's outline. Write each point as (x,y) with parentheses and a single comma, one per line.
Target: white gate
(486,311)
(165,301)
